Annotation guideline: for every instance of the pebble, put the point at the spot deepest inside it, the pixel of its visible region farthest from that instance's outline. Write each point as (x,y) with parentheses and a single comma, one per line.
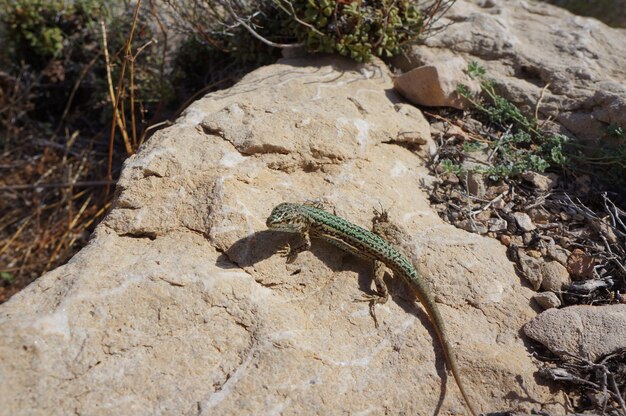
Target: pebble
(496,224)
(558,253)
(539,215)
(531,269)
(540,182)
(476,184)
(555,276)
(547,300)
(523,221)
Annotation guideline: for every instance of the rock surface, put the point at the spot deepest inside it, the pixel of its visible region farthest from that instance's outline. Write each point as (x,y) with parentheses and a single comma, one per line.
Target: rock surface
(588,332)
(179,306)
(526,46)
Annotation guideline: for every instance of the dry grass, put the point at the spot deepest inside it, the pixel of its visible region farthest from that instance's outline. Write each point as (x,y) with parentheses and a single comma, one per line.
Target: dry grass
(55,190)
(49,208)
(59,157)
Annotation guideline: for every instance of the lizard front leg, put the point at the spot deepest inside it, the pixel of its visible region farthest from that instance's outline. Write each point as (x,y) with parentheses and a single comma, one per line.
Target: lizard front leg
(291,253)
(380,226)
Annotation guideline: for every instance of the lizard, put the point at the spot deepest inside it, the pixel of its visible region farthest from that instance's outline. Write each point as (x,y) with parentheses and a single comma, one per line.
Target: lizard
(309,220)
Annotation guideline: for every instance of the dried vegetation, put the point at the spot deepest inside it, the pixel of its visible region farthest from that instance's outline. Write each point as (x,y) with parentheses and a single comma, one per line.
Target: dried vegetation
(560,211)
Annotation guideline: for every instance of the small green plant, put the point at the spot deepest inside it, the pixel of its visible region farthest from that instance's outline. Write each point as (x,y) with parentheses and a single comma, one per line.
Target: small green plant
(358,29)
(7,278)
(475,70)
(522,145)
(449,166)
(471,147)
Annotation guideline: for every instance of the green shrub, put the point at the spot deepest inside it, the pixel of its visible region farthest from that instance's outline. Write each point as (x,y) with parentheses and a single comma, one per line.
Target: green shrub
(358,29)
(54,51)
(522,146)
(36,30)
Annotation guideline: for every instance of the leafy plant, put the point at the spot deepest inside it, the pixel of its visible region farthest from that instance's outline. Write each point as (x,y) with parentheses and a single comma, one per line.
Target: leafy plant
(522,145)
(449,166)
(357,29)
(36,30)
(7,278)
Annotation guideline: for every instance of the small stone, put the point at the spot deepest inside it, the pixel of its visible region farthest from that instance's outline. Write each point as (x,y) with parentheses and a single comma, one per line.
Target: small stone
(580,265)
(558,253)
(496,224)
(499,189)
(554,276)
(547,300)
(473,227)
(435,85)
(523,221)
(471,124)
(534,254)
(483,216)
(476,184)
(527,238)
(437,128)
(499,204)
(540,182)
(455,131)
(607,231)
(531,269)
(505,239)
(539,215)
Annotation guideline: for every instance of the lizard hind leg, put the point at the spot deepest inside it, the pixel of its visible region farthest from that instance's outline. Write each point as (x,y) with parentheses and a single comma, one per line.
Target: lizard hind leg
(382,293)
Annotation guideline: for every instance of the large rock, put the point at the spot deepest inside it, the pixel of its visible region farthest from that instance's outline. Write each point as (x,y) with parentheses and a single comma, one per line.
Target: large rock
(179,306)
(588,332)
(527,45)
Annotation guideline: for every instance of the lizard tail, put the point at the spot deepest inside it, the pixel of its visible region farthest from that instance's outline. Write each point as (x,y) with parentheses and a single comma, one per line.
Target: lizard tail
(427,301)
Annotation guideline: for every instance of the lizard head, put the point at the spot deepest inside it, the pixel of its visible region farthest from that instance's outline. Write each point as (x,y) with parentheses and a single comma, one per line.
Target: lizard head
(287,217)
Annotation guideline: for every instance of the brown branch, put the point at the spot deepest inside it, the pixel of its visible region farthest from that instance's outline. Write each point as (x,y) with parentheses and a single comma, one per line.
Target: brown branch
(259,37)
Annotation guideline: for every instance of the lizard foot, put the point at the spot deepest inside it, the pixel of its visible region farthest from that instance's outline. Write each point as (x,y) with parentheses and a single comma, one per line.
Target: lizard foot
(373,300)
(288,252)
